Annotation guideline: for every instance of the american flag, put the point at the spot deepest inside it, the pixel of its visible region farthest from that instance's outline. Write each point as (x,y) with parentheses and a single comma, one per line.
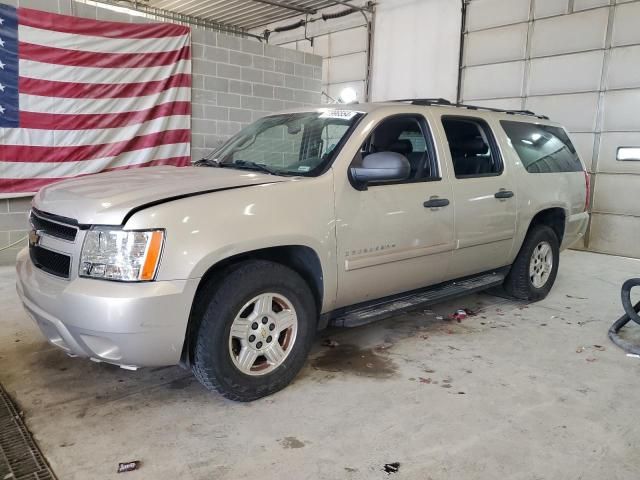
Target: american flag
(80,96)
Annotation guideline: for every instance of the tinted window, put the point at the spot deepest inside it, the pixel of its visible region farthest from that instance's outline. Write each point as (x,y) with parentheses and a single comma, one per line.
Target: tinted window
(289,144)
(408,135)
(473,148)
(331,136)
(542,148)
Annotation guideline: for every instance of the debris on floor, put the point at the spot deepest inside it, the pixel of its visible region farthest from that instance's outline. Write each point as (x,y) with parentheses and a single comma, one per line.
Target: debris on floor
(390,468)
(461,314)
(578,298)
(129,466)
(329,342)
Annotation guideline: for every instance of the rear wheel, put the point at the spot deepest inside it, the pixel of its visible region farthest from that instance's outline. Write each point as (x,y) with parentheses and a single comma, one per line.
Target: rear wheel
(534,271)
(256,328)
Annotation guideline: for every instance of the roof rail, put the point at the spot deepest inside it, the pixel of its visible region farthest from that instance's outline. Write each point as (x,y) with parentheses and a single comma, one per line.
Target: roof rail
(445,102)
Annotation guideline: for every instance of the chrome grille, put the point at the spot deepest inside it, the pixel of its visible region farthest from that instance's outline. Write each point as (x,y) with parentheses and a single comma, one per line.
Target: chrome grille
(52,242)
(53,225)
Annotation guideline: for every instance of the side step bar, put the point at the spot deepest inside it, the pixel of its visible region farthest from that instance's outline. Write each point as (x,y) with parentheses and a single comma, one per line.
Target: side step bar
(387,307)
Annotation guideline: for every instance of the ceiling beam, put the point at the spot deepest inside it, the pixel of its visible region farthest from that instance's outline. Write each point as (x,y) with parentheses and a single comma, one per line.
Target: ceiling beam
(276,3)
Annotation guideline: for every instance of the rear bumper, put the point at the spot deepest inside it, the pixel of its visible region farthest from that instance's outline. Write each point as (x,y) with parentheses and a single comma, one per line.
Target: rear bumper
(575,229)
(127,324)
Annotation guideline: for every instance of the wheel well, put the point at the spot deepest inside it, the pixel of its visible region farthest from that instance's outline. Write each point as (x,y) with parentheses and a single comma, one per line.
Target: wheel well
(303,260)
(552,217)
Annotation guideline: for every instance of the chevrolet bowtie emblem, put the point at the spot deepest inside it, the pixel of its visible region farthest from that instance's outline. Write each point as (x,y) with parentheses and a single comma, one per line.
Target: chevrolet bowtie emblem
(34,238)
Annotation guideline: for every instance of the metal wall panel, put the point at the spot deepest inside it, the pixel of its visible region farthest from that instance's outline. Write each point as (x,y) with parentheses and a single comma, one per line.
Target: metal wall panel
(621,111)
(492,13)
(508,103)
(494,81)
(609,143)
(617,194)
(576,111)
(615,234)
(549,8)
(581,68)
(570,33)
(586,4)
(625,25)
(578,72)
(624,68)
(497,45)
(347,68)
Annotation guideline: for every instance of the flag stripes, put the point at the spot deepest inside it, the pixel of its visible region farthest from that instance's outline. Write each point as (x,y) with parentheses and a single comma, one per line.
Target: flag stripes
(89,96)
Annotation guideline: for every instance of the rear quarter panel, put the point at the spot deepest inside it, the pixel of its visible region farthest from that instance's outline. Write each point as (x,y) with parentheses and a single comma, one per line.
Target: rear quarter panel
(536,192)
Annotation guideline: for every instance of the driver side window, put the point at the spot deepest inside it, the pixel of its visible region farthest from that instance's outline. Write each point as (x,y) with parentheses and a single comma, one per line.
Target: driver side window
(409,136)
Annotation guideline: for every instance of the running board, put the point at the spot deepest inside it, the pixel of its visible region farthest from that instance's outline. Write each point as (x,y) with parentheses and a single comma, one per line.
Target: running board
(390,306)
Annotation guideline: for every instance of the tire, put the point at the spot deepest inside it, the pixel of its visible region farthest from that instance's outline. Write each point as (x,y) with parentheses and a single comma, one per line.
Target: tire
(519,282)
(247,294)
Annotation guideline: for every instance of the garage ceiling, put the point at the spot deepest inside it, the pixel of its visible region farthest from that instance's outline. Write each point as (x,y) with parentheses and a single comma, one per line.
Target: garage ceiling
(246,14)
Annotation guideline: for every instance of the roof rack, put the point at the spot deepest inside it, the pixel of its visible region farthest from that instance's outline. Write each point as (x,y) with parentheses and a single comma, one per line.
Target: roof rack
(447,103)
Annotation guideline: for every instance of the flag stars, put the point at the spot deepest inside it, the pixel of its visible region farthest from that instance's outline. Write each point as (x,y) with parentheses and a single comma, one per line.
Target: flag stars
(1,42)
(1,20)
(1,110)
(1,87)
(2,65)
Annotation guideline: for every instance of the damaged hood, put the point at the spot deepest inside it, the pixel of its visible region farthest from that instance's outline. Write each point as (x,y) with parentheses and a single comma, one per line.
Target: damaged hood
(106,198)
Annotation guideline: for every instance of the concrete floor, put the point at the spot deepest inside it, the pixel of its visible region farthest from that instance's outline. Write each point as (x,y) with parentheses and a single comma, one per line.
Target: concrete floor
(517,391)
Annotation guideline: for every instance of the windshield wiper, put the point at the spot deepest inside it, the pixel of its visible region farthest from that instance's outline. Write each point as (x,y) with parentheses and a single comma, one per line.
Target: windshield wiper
(207,162)
(246,164)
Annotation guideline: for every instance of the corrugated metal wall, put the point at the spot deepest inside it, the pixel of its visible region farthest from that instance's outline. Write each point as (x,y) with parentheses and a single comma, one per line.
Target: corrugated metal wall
(577,61)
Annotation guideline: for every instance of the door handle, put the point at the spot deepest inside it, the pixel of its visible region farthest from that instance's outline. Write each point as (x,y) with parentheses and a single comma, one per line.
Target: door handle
(504,194)
(435,202)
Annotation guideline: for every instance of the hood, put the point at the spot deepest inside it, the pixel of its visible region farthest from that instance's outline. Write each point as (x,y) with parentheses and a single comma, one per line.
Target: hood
(106,198)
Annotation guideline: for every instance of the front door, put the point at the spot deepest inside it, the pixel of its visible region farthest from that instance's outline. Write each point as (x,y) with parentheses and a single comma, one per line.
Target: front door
(484,197)
(395,237)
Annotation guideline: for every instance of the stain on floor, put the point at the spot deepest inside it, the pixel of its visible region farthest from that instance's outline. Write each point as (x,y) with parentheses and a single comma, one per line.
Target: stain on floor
(291,442)
(364,362)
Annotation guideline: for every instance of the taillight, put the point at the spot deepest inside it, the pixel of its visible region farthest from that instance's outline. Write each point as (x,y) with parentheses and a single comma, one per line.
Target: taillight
(587,200)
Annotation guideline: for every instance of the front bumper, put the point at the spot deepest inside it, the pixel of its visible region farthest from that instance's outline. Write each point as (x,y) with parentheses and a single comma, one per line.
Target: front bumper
(126,324)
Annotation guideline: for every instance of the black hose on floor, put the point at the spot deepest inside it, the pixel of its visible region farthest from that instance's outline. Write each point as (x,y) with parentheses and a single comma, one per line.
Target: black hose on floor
(631,313)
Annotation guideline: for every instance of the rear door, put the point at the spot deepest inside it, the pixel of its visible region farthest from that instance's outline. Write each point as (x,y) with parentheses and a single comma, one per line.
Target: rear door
(483,194)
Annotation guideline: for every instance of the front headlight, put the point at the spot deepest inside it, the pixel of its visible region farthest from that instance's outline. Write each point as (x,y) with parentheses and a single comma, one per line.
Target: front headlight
(131,256)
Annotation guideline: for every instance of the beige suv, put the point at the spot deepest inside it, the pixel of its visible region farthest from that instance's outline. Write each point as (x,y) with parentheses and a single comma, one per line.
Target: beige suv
(340,215)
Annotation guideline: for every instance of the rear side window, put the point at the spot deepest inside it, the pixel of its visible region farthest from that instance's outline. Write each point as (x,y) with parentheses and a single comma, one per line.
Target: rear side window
(542,148)
(473,148)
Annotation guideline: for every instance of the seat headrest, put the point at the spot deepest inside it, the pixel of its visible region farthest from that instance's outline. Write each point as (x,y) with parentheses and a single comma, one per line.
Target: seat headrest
(470,146)
(403,147)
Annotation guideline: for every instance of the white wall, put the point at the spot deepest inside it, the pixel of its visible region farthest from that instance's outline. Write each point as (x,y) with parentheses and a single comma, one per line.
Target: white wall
(416,49)
(577,62)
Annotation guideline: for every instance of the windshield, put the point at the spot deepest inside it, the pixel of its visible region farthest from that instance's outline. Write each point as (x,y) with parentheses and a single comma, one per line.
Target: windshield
(288,144)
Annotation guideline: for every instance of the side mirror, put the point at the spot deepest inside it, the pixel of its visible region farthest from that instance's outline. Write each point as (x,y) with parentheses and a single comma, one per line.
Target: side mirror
(380,167)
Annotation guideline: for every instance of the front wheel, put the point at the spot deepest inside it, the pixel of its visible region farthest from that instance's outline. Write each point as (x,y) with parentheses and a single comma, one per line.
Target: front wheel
(534,271)
(256,328)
